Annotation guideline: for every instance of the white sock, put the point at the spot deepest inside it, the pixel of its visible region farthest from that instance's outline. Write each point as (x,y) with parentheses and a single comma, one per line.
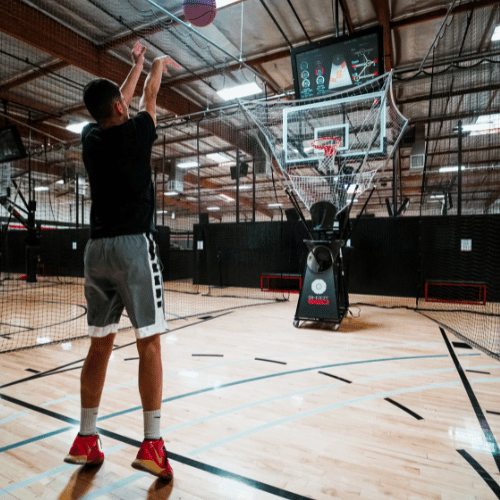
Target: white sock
(88,421)
(152,424)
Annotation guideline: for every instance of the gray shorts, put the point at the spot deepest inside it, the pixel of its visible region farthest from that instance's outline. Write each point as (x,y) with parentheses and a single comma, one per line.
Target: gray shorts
(124,272)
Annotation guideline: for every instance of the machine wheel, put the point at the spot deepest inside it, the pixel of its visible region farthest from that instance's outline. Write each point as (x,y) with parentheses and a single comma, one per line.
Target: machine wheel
(336,327)
(296,323)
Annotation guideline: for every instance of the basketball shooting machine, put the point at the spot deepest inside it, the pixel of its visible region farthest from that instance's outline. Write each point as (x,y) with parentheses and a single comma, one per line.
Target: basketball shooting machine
(328,151)
(323,295)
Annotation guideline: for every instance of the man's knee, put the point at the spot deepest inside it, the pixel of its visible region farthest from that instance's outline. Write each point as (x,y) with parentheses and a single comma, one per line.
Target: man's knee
(102,345)
(149,345)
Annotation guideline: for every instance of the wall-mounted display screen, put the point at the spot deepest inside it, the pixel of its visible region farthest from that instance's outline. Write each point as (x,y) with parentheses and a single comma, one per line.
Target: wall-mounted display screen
(11,145)
(337,63)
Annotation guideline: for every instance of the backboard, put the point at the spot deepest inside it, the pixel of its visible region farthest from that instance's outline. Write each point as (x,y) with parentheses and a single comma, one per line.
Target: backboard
(356,120)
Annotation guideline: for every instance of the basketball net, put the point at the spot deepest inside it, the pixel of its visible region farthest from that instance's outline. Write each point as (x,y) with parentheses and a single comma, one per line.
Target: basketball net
(329,145)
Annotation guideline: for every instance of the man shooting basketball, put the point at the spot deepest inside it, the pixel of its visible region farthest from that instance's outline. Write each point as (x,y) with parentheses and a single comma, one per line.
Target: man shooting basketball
(122,268)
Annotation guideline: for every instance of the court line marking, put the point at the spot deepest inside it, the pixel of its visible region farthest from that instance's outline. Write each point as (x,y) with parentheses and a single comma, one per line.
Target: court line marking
(404,408)
(482,472)
(483,423)
(271,361)
(335,376)
(13,416)
(35,438)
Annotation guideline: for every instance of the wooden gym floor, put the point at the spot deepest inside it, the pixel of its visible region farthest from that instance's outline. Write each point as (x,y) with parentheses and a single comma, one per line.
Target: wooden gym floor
(387,407)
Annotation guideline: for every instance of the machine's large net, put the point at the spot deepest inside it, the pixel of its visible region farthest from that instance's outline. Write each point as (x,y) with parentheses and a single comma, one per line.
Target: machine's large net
(366,123)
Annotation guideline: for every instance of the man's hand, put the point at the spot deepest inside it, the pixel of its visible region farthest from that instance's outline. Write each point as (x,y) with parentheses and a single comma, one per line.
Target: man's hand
(165,61)
(128,86)
(138,53)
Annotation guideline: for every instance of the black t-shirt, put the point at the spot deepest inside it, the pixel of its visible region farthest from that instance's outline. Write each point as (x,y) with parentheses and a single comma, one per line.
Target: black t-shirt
(118,163)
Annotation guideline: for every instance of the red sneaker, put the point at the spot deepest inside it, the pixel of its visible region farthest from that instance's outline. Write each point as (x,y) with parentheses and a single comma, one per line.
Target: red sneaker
(152,458)
(86,450)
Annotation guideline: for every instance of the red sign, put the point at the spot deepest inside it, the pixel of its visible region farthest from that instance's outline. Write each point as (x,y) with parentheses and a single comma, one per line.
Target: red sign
(318,302)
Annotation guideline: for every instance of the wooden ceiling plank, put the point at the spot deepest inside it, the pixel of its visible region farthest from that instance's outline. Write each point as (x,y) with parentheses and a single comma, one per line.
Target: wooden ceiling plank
(384,18)
(32,74)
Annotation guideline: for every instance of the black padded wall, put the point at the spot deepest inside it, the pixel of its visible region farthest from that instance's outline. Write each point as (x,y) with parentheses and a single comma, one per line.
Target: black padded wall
(391,256)
(237,254)
(385,256)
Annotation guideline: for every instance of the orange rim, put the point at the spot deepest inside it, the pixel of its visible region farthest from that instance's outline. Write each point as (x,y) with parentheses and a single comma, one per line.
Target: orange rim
(329,149)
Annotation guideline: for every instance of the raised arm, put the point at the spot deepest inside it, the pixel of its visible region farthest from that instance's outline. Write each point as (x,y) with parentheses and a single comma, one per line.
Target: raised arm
(152,84)
(130,83)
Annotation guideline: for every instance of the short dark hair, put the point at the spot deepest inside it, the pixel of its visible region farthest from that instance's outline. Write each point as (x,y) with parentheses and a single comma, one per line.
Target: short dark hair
(99,96)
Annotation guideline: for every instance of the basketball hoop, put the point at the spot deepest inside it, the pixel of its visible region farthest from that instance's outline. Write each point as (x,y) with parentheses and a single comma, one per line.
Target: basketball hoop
(327,163)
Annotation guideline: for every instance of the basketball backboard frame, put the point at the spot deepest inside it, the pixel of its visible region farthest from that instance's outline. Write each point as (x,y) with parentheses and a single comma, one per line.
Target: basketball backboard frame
(291,154)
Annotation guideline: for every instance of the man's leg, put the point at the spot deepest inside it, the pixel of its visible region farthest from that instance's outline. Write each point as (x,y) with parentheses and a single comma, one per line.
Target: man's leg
(86,449)
(150,372)
(152,456)
(94,370)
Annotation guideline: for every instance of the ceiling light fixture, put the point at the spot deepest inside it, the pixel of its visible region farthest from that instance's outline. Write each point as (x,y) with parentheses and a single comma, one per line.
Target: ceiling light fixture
(443,170)
(488,124)
(274,205)
(41,188)
(224,3)
(239,91)
(171,193)
(225,197)
(76,127)
(496,34)
(218,157)
(188,164)
(213,209)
